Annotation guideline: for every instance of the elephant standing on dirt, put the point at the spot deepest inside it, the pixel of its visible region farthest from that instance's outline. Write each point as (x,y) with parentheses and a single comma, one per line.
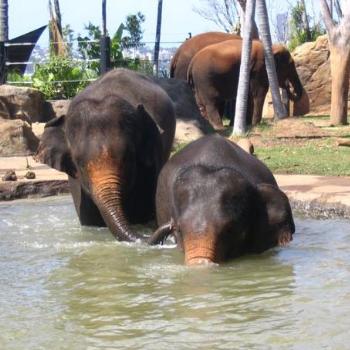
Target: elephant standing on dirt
(220,202)
(112,143)
(214,71)
(184,54)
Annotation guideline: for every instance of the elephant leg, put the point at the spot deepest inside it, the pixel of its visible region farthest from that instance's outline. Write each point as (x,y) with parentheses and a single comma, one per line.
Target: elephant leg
(232,107)
(258,96)
(250,110)
(87,211)
(214,116)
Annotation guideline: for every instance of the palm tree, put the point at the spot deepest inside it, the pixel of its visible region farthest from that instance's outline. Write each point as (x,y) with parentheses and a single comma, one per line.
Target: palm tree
(240,125)
(4,33)
(339,46)
(265,36)
(4,20)
(157,43)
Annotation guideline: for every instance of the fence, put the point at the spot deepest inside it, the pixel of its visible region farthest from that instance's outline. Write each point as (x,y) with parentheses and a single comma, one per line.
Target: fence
(141,56)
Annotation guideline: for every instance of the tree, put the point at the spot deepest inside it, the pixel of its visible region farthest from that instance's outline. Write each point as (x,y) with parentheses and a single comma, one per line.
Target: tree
(240,124)
(158,31)
(4,20)
(339,45)
(223,13)
(57,45)
(301,30)
(265,35)
(133,27)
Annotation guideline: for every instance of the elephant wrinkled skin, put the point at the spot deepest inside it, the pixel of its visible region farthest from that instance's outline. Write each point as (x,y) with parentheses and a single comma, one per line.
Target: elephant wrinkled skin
(220,202)
(112,143)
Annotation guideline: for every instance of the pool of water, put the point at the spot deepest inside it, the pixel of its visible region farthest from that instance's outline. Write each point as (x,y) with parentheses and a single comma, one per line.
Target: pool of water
(67,287)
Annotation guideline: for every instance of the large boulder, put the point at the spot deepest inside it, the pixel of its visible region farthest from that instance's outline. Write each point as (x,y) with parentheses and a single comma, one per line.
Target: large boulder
(312,61)
(23,103)
(190,125)
(58,107)
(16,138)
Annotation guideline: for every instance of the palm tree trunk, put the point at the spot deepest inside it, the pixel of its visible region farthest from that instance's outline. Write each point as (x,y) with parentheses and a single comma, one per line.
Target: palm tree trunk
(265,35)
(255,32)
(4,20)
(240,123)
(339,46)
(157,43)
(4,33)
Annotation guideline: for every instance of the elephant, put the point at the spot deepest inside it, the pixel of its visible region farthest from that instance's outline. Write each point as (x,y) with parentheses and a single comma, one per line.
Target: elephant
(183,55)
(112,143)
(214,71)
(220,202)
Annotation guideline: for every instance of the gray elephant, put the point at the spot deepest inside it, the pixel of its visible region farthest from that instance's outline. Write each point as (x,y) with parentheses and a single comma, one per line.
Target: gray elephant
(112,143)
(220,202)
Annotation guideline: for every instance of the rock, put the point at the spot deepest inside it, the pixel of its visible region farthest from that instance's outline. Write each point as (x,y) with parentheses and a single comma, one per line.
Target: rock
(190,125)
(247,145)
(23,103)
(32,189)
(30,175)
(313,66)
(59,107)
(16,138)
(10,175)
(38,129)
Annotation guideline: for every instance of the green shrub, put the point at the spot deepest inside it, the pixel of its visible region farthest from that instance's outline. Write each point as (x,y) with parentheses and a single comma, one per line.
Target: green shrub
(61,77)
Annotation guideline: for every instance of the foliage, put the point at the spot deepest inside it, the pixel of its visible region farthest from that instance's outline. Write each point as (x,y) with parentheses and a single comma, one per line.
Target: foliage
(298,32)
(133,27)
(61,77)
(89,45)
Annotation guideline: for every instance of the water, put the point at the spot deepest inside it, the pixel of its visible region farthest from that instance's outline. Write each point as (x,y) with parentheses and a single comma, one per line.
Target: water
(67,287)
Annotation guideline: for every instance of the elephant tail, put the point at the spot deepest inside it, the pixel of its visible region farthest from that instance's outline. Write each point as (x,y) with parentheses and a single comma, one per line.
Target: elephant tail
(173,64)
(190,76)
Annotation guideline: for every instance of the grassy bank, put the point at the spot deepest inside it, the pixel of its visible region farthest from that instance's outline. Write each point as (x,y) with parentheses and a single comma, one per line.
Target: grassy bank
(303,145)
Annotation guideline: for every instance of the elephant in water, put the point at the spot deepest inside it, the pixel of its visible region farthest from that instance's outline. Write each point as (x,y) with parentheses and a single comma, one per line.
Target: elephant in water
(214,72)
(112,143)
(220,202)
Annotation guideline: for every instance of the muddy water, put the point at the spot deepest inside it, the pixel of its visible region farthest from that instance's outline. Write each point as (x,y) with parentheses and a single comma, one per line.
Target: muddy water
(67,287)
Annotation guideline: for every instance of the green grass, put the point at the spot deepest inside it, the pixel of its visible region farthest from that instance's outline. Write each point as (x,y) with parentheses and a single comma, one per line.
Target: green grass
(316,158)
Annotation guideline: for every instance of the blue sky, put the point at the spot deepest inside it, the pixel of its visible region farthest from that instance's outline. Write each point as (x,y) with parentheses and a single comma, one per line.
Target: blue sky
(178,17)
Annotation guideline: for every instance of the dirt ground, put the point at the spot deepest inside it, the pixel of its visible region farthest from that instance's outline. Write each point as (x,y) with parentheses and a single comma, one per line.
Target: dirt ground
(297,131)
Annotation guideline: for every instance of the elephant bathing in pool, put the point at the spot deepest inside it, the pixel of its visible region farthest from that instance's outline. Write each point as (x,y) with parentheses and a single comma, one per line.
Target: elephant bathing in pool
(112,143)
(220,202)
(214,71)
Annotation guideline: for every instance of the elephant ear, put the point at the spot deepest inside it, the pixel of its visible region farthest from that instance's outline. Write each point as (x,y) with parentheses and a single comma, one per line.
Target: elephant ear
(53,149)
(150,147)
(274,217)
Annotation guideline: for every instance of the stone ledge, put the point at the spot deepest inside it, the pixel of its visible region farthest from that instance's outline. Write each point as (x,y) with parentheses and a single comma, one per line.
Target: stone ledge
(32,189)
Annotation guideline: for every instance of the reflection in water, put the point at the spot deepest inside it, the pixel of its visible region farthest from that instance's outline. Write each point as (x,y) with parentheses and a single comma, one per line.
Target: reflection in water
(67,287)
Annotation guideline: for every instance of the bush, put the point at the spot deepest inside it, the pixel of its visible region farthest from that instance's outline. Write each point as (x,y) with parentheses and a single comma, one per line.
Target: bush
(61,77)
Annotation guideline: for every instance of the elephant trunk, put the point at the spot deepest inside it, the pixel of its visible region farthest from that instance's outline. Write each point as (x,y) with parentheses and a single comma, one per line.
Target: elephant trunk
(105,186)
(200,249)
(294,81)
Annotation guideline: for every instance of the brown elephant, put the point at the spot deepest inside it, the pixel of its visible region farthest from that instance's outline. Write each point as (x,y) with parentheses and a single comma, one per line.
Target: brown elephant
(214,71)
(184,54)
(112,143)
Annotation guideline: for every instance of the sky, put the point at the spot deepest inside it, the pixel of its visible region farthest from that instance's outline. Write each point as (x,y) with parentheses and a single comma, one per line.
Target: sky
(178,16)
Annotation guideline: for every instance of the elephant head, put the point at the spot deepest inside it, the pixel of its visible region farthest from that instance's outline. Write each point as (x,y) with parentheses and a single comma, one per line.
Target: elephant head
(287,74)
(113,150)
(220,215)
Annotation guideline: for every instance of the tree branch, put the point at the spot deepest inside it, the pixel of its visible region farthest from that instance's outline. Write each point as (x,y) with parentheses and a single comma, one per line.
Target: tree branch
(327,18)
